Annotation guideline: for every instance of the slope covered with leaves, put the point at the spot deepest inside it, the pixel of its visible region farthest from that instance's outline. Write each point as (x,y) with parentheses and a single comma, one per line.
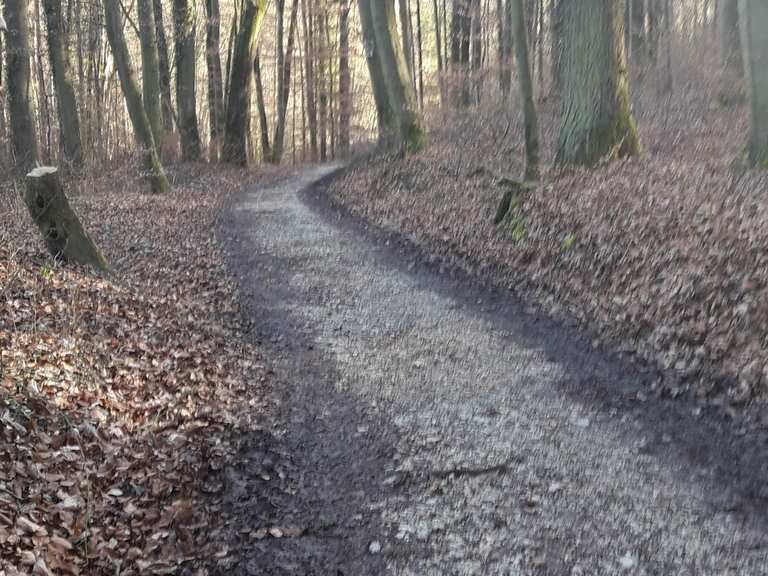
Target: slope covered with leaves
(664,254)
(124,400)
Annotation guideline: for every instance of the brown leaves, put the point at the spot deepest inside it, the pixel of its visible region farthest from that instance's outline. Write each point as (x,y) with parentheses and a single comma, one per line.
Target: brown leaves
(121,403)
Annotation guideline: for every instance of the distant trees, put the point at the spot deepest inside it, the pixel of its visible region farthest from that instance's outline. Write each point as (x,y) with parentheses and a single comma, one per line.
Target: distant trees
(133,100)
(596,120)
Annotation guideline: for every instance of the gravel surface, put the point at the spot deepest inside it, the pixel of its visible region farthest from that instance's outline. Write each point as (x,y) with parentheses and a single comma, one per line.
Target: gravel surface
(449,430)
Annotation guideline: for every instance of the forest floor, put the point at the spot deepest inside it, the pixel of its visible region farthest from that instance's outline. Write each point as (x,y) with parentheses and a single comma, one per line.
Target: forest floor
(436,425)
(127,403)
(662,256)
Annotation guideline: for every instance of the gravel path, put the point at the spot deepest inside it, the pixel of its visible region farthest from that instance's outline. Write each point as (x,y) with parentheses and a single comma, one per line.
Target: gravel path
(448,430)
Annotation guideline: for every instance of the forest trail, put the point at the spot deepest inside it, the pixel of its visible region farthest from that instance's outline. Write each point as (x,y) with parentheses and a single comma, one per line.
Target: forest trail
(437,426)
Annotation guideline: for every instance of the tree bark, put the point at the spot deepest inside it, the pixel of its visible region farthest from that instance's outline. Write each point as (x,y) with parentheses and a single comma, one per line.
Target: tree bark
(461,25)
(266,147)
(64,235)
(556,23)
(252,16)
(309,72)
(186,78)
(385,116)
(215,87)
(401,96)
(345,94)
(141,127)
(164,67)
(23,136)
(150,70)
(477,50)
(730,39)
(285,61)
(595,120)
(439,49)
(530,117)
(407,34)
(69,121)
(753,15)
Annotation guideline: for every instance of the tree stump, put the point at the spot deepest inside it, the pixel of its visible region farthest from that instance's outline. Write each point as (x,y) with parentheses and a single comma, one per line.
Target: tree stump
(62,231)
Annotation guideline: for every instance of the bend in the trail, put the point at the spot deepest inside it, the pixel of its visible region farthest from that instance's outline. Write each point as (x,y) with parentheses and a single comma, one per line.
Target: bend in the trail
(441,422)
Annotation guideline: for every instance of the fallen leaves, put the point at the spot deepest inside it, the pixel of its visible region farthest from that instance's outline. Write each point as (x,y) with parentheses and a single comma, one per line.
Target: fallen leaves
(121,402)
(665,255)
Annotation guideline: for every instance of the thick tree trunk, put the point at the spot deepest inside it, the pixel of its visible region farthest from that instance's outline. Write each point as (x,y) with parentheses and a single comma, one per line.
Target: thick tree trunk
(439,49)
(637,20)
(385,116)
(141,127)
(345,94)
(407,35)
(754,38)
(23,136)
(186,78)
(69,121)
(730,39)
(402,97)
(461,26)
(215,88)
(530,118)
(420,54)
(150,70)
(285,61)
(322,80)
(477,50)
(266,147)
(165,68)
(309,72)
(252,16)
(64,236)
(596,120)
(556,23)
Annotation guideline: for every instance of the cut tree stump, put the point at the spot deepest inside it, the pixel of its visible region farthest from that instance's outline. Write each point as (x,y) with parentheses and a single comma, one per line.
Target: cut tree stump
(62,231)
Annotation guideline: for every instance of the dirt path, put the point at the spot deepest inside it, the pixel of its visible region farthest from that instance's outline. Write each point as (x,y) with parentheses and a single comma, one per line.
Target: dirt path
(434,426)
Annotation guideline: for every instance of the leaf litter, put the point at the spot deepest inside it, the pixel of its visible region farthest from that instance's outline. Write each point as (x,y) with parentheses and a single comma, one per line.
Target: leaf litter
(124,400)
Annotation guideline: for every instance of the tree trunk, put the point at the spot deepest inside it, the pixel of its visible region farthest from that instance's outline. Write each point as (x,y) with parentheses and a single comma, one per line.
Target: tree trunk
(461,25)
(215,88)
(439,48)
(165,68)
(266,147)
(405,25)
(753,15)
(595,120)
(345,94)
(309,80)
(730,40)
(530,118)
(23,136)
(556,26)
(420,53)
(69,122)
(141,127)
(186,78)
(401,95)
(252,16)
(322,79)
(637,22)
(150,70)
(477,50)
(284,66)
(64,235)
(385,116)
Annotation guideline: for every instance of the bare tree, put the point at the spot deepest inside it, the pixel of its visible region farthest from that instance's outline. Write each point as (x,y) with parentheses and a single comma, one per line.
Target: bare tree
(186,77)
(754,33)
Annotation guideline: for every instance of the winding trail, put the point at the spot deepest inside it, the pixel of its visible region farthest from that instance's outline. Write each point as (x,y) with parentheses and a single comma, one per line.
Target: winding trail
(437,427)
